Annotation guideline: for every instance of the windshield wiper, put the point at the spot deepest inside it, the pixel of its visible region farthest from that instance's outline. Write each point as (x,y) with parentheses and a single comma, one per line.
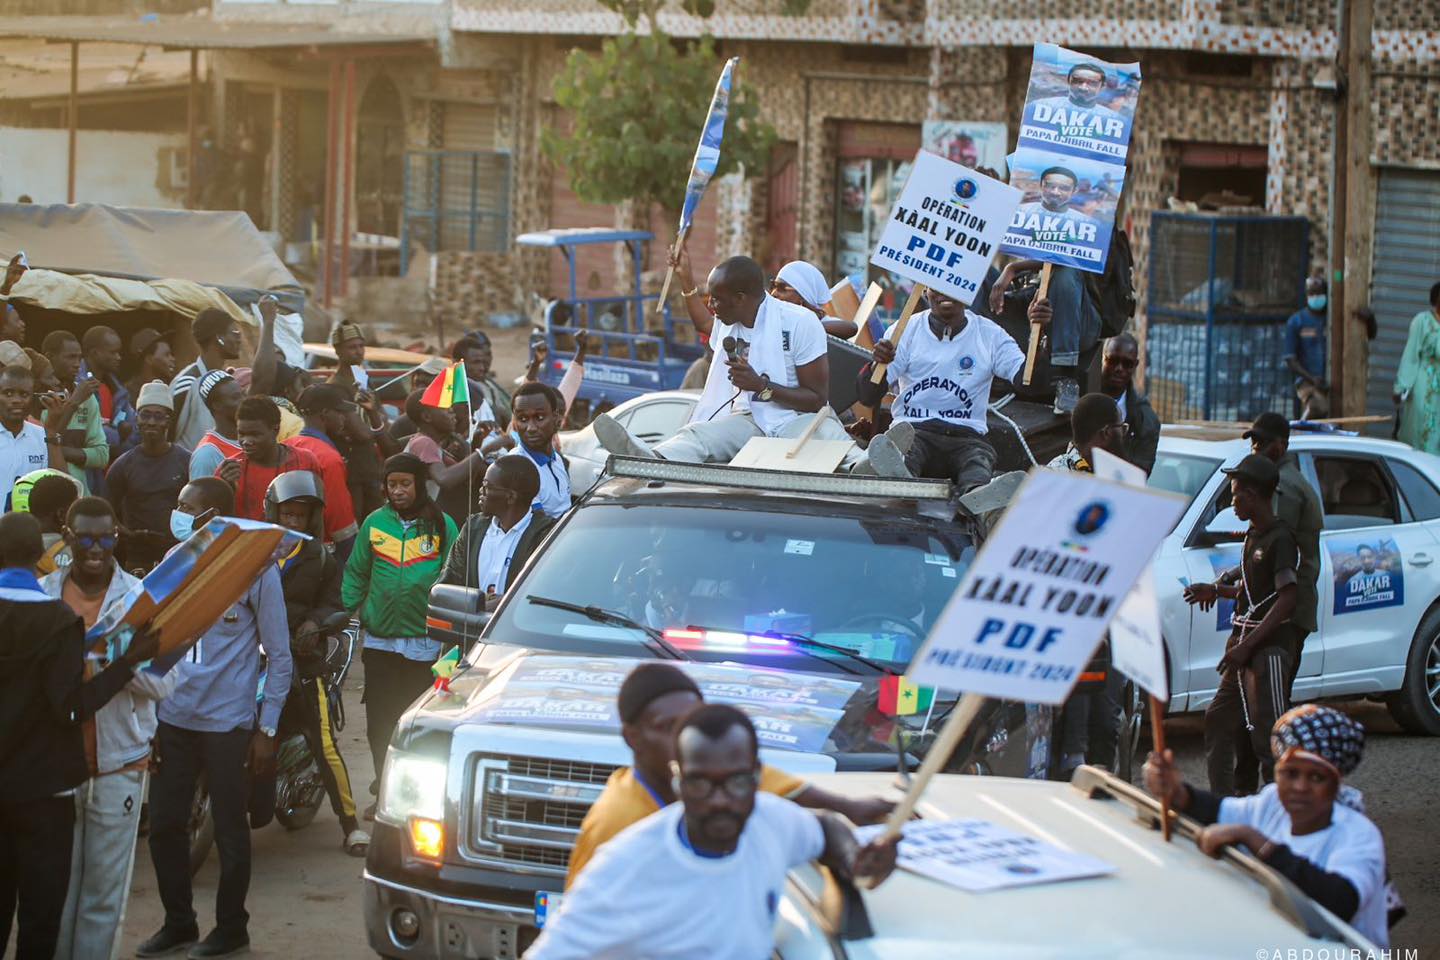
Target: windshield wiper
(801,640)
(611,617)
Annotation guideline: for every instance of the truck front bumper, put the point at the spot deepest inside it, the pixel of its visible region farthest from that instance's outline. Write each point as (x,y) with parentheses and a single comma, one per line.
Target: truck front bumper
(444,928)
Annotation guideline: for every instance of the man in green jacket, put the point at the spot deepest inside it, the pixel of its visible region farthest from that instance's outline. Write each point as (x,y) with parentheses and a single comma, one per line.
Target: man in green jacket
(84,443)
(398,556)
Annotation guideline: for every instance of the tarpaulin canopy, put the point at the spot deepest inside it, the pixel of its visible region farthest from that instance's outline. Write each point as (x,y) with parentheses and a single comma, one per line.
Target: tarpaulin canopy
(214,248)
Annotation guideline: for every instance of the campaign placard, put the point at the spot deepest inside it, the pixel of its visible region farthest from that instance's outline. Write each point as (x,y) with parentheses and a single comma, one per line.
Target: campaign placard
(1369,573)
(1079,105)
(973,144)
(946,226)
(1068,210)
(1034,604)
(977,855)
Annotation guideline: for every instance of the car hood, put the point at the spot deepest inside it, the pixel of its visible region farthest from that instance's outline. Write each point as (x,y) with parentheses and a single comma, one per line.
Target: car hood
(836,717)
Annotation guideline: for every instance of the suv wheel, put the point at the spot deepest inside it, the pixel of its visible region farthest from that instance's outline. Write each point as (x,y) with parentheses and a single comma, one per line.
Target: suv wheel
(1416,705)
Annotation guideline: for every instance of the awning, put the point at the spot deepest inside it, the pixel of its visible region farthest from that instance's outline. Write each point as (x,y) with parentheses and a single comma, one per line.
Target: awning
(214,248)
(204,33)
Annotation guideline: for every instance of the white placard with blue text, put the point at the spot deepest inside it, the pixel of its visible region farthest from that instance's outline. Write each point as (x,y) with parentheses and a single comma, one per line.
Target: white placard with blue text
(1034,604)
(946,226)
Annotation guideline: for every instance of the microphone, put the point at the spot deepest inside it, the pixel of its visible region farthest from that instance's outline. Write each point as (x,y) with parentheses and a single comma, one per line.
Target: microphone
(732,348)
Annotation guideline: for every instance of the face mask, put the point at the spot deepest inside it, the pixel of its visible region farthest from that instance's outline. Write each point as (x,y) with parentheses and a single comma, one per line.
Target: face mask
(1317,302)
(182,525)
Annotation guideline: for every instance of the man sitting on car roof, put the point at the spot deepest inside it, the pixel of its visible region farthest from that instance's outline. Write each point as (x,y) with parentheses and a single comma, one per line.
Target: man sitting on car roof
(653,699)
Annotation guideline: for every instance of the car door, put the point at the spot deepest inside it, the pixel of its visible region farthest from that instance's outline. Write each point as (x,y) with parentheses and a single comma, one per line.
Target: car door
(1378,573)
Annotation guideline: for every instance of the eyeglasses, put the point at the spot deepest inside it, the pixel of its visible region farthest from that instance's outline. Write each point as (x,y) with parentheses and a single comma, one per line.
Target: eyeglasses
(696,786)
(87,542)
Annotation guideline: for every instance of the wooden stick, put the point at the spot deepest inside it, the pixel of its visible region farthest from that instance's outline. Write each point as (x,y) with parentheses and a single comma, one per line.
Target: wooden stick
(820,418)
(1035,328)
(670,272)
(955,726)
(862,316)
(879,375)
(1157,736)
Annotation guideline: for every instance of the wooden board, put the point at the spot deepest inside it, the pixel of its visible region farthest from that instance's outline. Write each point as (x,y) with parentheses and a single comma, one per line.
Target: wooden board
(775,453)
(862,336)
(843,301)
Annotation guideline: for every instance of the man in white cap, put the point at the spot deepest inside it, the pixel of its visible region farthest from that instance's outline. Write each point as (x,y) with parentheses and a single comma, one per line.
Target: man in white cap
(145,483)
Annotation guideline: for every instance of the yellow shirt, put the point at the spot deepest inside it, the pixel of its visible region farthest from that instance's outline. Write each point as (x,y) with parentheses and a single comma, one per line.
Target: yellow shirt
(625,801)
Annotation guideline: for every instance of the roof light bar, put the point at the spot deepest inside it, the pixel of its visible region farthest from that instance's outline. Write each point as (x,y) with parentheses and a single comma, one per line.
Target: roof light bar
(779,481)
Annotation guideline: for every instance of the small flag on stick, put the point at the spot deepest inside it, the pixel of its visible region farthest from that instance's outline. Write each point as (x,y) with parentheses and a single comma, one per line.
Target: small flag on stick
(900,698)
(448,389)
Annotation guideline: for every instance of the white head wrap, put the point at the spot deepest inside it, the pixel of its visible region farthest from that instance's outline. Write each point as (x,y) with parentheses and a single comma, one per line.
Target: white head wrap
(807,280)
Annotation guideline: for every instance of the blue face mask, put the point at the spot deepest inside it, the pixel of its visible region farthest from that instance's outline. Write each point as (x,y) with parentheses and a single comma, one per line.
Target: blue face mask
(1317,302)
(182,525)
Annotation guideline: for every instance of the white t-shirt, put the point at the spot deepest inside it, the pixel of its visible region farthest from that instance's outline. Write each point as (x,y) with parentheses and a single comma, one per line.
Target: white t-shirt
(646,896)
(554,496)
(1351,847)
(20,454)
(949,380)
(801,340)
(496,552)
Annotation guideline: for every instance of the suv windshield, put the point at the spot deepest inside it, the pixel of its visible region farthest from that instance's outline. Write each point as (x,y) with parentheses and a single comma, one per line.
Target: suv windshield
(715,581)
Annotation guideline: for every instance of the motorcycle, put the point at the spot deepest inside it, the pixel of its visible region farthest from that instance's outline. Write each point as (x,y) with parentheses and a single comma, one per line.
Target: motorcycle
(298,789)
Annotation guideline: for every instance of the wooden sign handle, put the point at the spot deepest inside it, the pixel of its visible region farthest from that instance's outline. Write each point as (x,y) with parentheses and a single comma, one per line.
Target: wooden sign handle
(670,272)
(919,289)
(819,418)
(955,726)
(1157,735)
(1035,328)
(862,316)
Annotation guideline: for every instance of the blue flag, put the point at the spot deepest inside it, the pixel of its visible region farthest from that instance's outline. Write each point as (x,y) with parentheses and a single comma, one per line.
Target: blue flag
(707,152)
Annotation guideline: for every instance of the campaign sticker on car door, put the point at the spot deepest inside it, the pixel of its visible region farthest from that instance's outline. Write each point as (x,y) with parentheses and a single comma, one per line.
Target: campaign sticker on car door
(1369,573)
(1224,558)
(546,903)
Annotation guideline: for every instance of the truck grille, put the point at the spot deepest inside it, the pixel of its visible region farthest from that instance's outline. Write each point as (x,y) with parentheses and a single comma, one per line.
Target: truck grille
(528,810)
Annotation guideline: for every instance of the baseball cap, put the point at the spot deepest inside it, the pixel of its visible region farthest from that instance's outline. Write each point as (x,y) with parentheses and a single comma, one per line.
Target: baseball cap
(1256,469)
(1269,426)
(144,339)
(13,355)
(323,396)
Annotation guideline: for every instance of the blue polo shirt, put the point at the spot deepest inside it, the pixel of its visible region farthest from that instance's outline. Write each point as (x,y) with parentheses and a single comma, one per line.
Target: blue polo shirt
(1305,340)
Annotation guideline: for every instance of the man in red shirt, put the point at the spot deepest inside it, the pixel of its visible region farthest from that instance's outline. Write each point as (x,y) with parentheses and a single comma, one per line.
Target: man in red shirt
(323,407)
(262,458)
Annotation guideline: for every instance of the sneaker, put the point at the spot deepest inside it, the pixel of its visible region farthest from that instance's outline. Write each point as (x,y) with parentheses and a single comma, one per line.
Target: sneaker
(616,439)
(1067,394)
(885,458)
(356,843)
(168,942)
(220,945)
(902,434)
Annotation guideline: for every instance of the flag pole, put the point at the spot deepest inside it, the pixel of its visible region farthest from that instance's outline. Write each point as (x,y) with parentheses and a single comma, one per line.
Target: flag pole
(670,272)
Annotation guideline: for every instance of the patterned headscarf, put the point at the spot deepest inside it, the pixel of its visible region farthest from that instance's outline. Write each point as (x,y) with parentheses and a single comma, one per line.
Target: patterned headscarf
(1322,734)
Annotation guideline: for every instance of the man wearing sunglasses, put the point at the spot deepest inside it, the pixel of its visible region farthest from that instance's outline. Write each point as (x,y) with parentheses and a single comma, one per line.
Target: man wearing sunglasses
(107,809)
(703,877)
(1117,375)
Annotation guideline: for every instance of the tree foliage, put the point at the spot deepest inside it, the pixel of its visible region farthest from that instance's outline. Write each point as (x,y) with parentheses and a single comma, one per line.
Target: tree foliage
(637,108)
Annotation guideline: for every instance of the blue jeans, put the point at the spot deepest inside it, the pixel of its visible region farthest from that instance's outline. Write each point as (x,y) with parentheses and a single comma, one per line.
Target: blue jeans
(1075,324)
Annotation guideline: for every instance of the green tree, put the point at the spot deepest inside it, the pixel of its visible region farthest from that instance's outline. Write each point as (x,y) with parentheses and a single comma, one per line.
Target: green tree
(637,108)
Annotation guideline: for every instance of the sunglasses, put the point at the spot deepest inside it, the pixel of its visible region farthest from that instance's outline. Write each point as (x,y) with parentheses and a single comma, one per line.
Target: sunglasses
(87,542)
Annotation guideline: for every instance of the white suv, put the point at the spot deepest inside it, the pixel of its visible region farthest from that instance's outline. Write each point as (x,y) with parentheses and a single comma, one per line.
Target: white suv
(1378,615)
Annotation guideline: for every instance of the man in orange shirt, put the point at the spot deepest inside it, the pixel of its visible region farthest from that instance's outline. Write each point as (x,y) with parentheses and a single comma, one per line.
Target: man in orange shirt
(323,407)
(262,458)
(653,699)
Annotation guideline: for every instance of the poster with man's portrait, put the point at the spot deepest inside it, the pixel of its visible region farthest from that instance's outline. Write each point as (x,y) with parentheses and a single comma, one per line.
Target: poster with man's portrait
(1068,208)
(1369,573)
(979,146)
(1078,104)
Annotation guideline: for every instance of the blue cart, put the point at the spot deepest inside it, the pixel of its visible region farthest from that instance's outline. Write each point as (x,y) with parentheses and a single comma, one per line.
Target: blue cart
(633,350)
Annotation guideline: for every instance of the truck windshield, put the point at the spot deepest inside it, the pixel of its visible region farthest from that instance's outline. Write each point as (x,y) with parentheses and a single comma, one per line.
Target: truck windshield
(731,584)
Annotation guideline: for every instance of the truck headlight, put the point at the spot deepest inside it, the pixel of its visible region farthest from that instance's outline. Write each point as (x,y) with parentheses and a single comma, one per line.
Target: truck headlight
(412,786)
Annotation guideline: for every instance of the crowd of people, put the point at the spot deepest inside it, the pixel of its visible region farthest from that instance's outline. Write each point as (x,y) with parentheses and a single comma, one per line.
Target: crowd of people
(110,457)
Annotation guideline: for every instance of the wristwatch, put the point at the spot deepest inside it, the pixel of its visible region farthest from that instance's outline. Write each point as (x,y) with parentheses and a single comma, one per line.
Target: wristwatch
(55,439)
(269,732)
(765,392)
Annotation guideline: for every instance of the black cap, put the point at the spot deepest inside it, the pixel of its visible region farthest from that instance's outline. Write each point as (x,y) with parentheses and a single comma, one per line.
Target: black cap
(646,684)
(323,396)
(145,338)
(1257,469)
(1269,426)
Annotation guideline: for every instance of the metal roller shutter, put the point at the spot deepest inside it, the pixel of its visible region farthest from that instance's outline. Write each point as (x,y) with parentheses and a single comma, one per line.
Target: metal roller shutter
(1407,262)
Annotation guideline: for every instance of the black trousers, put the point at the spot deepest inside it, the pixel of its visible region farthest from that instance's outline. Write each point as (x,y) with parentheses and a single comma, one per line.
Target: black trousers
(392,682)
(183,755)
(35,844)
(307,710)
(1090,722)
(1233,747)
(953,453)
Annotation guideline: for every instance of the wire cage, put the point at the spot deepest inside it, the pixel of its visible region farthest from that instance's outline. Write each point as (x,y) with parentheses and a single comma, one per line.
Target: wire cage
(1220,291)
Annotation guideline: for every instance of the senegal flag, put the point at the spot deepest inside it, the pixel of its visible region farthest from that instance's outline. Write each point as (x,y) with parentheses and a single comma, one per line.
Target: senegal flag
(445,667)
(900,698)
(448,389)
